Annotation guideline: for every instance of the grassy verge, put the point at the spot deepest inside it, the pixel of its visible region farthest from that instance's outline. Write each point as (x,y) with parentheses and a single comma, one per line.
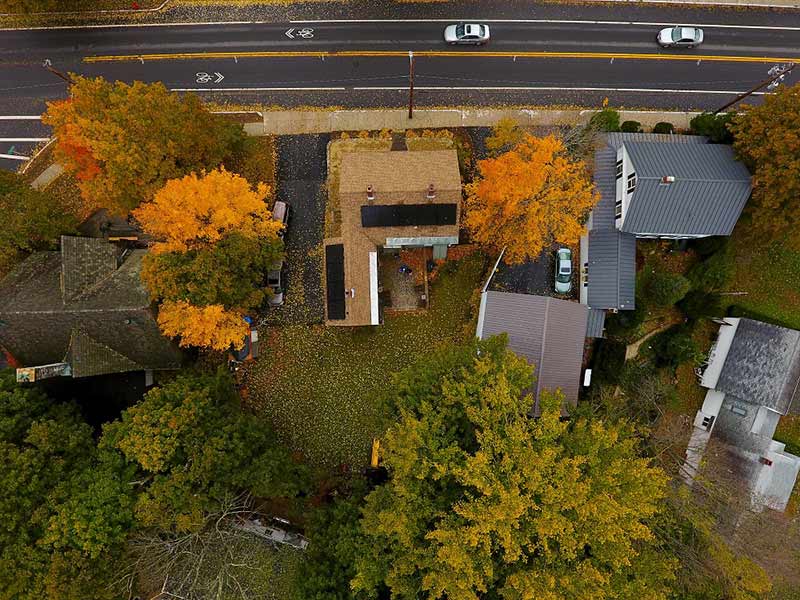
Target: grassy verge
(770,277)
(321,386)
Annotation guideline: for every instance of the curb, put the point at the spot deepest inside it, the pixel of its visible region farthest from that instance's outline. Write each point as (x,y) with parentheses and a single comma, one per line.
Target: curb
(88,13)
(288,122)
(163,5)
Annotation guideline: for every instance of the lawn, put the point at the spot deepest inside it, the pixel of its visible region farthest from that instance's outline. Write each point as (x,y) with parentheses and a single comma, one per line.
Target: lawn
(770,276)
(321,386)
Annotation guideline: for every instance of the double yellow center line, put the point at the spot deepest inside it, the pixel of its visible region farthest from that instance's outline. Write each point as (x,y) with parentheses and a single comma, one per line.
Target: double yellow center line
(437,53)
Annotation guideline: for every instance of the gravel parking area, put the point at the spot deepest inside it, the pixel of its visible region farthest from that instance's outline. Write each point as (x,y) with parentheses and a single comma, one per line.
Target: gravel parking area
(301,173)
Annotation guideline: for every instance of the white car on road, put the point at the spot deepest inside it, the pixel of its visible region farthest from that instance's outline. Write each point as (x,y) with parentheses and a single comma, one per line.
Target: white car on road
(473,34)
(680,37)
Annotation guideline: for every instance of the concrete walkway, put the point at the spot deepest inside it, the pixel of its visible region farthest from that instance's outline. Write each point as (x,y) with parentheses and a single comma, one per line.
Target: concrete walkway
(293,122)
(48,176)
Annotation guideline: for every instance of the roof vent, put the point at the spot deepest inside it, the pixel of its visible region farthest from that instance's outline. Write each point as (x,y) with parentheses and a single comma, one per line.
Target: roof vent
(431,192)
(667,179)
(370,193)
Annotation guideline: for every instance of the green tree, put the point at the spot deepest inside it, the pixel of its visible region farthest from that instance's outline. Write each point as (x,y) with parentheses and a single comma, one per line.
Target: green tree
(32,220)
(717,128)
(230,273)
(605,120)
(765,138)
(675,346)
(123,142)
(65,513)
(336,542)
(506,134)
(483,501)
(194,446)
(714,273)
(663,288)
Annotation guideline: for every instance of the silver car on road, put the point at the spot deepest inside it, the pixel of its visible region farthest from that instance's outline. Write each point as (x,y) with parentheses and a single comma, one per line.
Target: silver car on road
(680,37)
(473,34)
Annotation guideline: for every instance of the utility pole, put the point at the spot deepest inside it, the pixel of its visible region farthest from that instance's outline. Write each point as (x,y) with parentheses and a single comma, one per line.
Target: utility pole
(776,76)
(410,84)
(49,66)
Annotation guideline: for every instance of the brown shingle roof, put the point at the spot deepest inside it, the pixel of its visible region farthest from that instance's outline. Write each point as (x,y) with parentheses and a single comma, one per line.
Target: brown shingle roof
(398,177)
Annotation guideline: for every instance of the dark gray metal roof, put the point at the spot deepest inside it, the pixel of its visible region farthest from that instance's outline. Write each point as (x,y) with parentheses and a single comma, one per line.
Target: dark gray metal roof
(763,365)
(709,192)
(612,270)
(548,332)
(612,255)
(615,140)
(595,323)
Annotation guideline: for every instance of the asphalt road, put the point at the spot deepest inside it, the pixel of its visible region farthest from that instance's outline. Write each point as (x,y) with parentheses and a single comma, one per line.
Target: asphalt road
(547,59)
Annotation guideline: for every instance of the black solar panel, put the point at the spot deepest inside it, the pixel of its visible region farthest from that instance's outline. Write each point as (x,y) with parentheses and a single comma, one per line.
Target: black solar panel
(404,215)
(334,277)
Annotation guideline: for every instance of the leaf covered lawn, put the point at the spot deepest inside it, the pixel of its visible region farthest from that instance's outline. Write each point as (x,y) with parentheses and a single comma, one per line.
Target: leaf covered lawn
(321,386)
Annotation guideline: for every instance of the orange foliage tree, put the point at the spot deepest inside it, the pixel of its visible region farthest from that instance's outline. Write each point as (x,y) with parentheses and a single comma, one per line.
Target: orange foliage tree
(198,211)
(209,326)
(122,142)
(529,198)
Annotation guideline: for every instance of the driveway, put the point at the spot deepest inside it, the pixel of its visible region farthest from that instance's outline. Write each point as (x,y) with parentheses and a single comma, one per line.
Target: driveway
(531,277)
(301,173)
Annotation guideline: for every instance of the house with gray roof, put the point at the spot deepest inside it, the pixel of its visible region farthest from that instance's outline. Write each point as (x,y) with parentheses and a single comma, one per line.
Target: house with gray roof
(753,379)
(549,333)
(653,186)
(81,311)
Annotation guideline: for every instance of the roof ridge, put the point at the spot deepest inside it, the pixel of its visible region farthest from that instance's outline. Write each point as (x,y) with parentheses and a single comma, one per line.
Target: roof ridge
(117,354)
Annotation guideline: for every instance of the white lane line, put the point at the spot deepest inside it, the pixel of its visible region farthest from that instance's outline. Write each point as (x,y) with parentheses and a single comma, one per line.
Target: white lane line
(462,88)
(453,20)
(20,118)
(261,89)
(24,139)
(131,25)
(553,89)
(14,157)
(548,22)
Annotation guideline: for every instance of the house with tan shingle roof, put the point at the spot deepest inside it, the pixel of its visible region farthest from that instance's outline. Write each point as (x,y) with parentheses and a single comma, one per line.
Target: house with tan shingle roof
(388,200)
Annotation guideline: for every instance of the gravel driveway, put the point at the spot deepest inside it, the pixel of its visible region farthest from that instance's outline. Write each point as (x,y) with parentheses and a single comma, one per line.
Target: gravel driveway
(301,173)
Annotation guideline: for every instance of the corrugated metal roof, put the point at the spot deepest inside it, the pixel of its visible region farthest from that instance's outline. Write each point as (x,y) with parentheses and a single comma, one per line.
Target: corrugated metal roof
(615,140)
(612,270)
(706,198)
(595,323)
(548,332)
(763,365)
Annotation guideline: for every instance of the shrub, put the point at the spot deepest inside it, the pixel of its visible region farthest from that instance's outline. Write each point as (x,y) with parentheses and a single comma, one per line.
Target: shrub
(714,273)
(707,246)
(715,127)
(605,120)
(664,127)
(631,127)
(699,304)
(664,289)
(609,360)
(675,346)
(625,323)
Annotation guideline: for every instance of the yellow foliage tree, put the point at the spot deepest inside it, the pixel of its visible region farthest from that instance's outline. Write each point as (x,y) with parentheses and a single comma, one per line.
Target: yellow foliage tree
(198,211)
(207,326)
(528,198)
